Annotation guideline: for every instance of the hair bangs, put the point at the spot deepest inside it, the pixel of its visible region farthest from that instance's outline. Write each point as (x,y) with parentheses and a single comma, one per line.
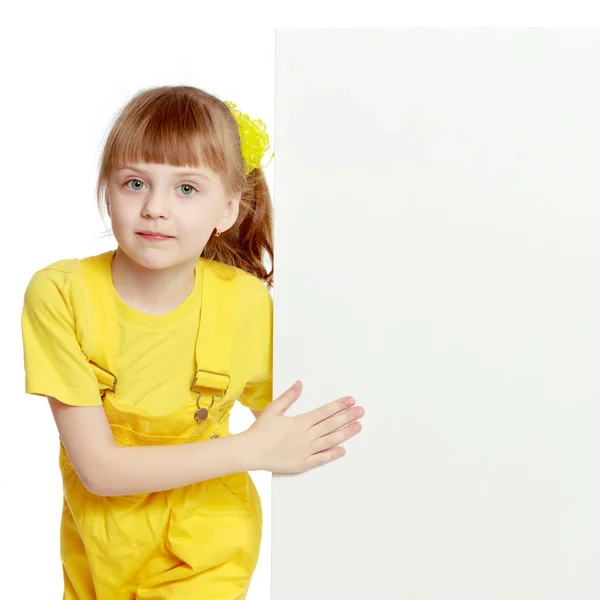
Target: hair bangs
(168,134)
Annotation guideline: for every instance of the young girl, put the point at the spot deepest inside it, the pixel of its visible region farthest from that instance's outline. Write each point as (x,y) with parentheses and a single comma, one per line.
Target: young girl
(142,351)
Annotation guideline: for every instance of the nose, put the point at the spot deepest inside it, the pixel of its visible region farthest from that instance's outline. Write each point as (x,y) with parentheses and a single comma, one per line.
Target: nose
(156,204)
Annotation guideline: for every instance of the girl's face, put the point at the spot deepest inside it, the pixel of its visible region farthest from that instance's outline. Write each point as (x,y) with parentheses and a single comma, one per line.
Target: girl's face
(186,203)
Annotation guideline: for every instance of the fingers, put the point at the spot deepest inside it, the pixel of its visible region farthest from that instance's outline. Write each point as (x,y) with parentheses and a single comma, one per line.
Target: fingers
(328,410)
(326,456)
(288,397)
(336,437)
(336,421)
(339,425)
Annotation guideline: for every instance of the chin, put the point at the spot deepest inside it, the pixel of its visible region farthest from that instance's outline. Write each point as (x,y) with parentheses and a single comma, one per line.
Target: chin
(149,257)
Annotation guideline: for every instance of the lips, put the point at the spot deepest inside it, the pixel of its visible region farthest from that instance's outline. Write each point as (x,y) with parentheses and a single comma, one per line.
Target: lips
(154,234)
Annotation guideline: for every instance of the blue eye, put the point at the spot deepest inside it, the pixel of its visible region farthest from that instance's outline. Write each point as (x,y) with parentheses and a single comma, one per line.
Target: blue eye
(187,185)
(133,180)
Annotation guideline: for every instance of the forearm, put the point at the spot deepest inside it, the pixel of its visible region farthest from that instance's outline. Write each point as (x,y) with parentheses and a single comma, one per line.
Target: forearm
(126,470)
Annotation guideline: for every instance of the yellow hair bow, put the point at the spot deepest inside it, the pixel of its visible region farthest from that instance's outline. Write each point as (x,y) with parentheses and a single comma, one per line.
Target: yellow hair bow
(253,136)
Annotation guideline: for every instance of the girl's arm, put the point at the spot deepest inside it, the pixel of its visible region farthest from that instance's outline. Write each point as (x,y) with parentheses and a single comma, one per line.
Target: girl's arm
(107,469)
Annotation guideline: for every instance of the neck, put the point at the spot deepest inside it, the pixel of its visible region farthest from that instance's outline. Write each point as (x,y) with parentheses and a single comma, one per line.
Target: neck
(152,291)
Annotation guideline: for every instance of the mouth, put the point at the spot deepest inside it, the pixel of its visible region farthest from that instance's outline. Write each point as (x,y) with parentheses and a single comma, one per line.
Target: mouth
(154,237)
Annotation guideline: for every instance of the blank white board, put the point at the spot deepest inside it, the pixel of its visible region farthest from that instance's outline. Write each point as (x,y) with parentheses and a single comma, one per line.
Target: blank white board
(437,241)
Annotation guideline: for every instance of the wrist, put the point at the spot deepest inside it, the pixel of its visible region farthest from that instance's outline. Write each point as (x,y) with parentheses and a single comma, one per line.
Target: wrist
(250,451)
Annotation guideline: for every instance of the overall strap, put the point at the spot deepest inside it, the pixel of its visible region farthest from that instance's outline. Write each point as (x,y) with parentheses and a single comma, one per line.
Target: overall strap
(100,345)
(214,343)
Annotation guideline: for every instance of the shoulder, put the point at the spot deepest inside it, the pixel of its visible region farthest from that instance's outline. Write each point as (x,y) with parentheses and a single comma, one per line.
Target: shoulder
(251,288)
(63,271)
(55,276)
(55,300)
(57,286)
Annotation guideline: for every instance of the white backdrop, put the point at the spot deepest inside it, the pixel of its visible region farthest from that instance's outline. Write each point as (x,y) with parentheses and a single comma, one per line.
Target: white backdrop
(437,250)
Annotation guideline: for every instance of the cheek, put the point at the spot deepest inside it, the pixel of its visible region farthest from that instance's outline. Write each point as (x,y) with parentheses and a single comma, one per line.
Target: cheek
(122,216)
(195,218)
(194,224)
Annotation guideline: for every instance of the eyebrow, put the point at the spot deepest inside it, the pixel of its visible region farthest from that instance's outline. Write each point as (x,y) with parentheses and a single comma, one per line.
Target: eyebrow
(180,172)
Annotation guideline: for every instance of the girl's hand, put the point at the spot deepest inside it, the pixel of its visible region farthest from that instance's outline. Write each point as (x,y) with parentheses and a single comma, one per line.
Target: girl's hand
(283,444)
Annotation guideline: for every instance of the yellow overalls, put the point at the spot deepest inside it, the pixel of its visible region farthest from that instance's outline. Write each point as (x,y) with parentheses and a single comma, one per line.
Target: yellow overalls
(199,541)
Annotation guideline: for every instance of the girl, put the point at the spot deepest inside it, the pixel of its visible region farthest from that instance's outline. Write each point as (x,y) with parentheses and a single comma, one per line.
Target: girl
(143,350)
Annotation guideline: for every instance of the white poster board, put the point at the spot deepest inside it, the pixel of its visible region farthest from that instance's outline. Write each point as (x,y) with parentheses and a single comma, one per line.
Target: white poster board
(437,245)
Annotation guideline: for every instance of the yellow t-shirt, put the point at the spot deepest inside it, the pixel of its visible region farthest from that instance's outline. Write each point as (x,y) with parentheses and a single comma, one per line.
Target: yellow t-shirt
(155,354)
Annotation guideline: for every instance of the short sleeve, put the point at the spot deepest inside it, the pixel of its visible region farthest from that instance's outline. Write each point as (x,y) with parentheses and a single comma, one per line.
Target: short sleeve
(258,392)
(55,364)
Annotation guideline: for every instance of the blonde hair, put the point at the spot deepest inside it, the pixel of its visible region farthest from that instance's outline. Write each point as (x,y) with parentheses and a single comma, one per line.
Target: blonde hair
(184,125)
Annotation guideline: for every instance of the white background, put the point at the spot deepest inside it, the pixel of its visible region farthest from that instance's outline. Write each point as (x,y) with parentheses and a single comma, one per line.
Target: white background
(68,67)
(440,263)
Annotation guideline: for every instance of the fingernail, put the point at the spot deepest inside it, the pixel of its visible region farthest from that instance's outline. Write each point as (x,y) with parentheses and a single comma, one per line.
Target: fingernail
(349,401)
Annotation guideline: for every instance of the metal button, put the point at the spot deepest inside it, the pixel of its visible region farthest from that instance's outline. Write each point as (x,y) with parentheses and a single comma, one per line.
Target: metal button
(214,436)
(201,415)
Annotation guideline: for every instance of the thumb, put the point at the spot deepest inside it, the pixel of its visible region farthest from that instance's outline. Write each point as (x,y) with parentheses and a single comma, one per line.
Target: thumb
(288,397)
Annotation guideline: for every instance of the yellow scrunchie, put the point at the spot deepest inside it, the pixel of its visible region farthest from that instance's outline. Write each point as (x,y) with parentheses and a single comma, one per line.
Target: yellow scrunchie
(253,137)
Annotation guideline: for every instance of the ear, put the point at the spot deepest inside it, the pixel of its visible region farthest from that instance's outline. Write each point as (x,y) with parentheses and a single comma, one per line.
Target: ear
(230,215)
